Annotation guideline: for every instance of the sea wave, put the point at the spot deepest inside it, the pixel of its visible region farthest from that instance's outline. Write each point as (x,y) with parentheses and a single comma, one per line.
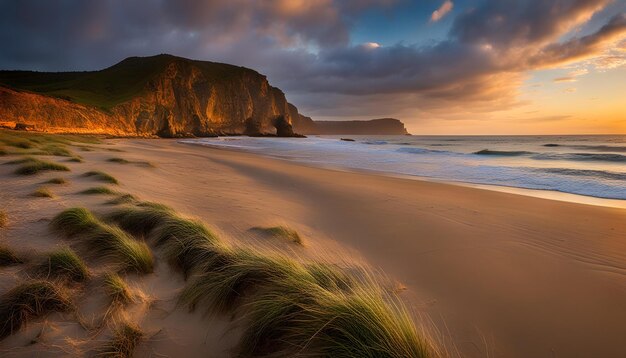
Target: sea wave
(506,153)
(584,173)
(600,157)
(416,150)
(597,148)
(614,158)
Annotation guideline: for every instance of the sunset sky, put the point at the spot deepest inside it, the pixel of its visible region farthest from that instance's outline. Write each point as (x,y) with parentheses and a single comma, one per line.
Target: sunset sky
(442,67)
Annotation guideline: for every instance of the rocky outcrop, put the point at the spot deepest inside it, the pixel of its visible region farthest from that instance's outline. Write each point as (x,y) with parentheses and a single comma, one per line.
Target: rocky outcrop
(381,126)
(56,115)
(301,124)
(174,97)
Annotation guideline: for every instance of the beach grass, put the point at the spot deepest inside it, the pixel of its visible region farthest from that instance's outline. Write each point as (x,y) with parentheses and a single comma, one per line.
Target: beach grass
(8,256)
(30,300)
(298,318)
(117,289)
(98,190)
(73,221)
(125,339)
(141,220)
(332,277)
(118,160)
(172,228)
(63,263)
(281,232)
(195,256)
(56,181)
(85,148)
(31,143)
(20,143)
(26,160)
(75,160)
(43,193)
(110,242)
(294,309)
(105,241)
(101,176)
(290,308)
(222,286)
(55,150)
(33,139)
(153,205)
(186,243)
(125,161)
(33,166)
(123,199)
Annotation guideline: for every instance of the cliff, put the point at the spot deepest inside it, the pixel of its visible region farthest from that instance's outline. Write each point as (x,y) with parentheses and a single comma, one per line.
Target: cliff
(161,95)
(383,126)
(301,124)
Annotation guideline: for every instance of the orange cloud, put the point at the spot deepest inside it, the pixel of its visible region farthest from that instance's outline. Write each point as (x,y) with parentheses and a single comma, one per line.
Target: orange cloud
(581,48)
(444,9)
(609,62)
(564,79)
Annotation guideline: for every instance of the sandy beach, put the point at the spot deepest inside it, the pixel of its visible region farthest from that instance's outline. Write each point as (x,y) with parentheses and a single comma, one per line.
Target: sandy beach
(494,274)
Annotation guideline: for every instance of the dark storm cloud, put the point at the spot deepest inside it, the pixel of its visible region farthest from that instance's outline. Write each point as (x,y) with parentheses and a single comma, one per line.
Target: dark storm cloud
(484,59)
(505,23)
(581,47)
(60,35)
(480,63)
(304,45)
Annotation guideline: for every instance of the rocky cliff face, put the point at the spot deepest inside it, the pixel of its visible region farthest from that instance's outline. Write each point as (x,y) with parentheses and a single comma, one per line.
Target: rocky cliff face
(301,123)
(175,97)
(55,115)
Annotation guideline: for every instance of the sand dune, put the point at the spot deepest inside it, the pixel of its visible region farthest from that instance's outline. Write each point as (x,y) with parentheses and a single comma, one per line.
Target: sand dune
(80,276)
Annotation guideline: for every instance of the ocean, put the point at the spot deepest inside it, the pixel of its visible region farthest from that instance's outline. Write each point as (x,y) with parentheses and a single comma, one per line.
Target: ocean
(590,165)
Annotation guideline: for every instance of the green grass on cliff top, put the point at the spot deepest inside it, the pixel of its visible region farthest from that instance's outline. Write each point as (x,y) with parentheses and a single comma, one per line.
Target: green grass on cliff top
(107,88)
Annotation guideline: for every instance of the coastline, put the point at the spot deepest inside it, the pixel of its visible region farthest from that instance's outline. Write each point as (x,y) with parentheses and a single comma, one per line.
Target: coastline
(536,193)
(495,273)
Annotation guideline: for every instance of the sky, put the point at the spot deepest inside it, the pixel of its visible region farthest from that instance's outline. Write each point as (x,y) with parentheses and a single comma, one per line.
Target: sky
(440,66)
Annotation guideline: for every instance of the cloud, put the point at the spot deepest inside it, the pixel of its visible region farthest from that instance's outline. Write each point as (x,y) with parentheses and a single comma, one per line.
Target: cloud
(507,23)
(435,70)
(305,47)
(371,45)
(609,62)
(553,118)
(443,10)
(75,34)
(565,79)
(571,76)
(581,48)
(579,72)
